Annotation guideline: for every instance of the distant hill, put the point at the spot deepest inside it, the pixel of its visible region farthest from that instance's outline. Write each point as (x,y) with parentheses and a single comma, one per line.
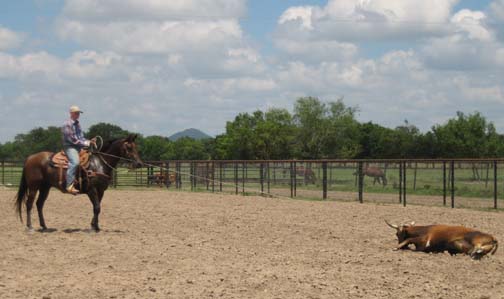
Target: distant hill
(191,133)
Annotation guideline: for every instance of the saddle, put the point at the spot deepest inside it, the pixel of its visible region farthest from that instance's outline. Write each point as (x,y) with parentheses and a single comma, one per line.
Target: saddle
(60,160)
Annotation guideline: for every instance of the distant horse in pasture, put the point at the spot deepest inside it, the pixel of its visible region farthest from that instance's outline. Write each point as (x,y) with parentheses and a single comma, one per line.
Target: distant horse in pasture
(39,175)
(306,173)
(376,173)
(161,180)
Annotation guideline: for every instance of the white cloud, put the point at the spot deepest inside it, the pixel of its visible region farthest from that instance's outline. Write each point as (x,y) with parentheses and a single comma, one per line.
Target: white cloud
(9,39)
(149,66)
(8,66)
(349,20)
(301,13)
(496,17)
(153,37)
(463,51)
(471,22)
(317,50)
(480,92)
(33,65)
(121,10)
(497,9)
(90,64)
(86,65)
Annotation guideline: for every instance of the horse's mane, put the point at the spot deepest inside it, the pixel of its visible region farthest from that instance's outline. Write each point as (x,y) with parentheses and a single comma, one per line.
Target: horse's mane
(107,144)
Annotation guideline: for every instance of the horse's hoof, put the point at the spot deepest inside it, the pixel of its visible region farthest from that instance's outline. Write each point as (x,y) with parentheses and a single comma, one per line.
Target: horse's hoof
(30,230)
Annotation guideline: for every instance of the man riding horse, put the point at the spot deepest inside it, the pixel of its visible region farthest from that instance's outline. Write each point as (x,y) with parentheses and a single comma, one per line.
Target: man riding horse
(41,171)
(73,142)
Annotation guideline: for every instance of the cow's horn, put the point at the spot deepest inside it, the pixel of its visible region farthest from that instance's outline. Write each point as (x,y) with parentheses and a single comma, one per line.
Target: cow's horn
(392,225)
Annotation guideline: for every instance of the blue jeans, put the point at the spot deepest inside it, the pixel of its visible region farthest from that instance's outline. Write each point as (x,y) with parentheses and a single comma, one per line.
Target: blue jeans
(73,163)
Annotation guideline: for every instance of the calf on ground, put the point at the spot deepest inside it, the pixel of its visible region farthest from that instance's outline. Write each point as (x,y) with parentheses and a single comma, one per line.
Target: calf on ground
(441,238)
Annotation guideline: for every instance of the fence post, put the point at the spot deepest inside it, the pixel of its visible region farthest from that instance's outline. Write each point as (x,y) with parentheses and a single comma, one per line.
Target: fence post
(495,184)
(415,175)
(3,172)
(404,183)
(400,181)
(213,176)
(207,176)
(176,173)
(452,180)
(220,177)
(294,177)
(291,181)
(193,175)
(444,183)
(269,176)
(324,180)
(244,174)
(236,177)
(261,177)
(360,174)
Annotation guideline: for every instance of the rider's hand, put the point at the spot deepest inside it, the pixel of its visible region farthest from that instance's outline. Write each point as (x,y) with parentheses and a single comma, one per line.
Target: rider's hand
(93,141)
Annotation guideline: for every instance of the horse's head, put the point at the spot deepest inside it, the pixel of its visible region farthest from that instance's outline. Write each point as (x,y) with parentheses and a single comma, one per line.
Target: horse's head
(124,148)
(129,151)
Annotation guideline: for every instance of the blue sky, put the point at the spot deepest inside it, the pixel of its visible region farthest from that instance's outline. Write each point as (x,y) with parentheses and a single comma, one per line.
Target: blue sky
(161,67)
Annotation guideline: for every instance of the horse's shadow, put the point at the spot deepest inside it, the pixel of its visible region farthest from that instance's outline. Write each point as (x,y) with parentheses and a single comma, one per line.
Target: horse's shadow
(47,230)
(77,230)
(89,230)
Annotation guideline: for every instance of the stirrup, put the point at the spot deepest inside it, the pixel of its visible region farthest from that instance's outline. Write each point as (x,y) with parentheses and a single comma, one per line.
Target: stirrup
(71,189)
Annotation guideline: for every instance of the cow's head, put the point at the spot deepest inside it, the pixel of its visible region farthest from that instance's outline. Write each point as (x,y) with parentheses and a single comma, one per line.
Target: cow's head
(401,230)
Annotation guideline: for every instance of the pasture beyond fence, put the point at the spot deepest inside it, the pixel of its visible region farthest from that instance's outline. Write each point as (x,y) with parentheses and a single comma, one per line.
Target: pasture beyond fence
(454,183)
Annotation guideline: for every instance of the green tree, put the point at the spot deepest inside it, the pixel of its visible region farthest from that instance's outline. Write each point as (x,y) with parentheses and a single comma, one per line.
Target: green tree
(467,136)
(155,148)
(405,139)
(373,141)
(12,151)
(310,117)
(275,135)
(37,140)
(106,131)
(240,140)
(343,132)
(186,148)
(325,130)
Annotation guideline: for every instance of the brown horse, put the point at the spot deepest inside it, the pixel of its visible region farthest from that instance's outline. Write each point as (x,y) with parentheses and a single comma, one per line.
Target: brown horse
(161,179)
(306,173)
(375,172)
(39,176)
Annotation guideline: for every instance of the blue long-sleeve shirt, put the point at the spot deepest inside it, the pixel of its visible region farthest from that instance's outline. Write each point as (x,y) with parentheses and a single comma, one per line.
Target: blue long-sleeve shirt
(72,134)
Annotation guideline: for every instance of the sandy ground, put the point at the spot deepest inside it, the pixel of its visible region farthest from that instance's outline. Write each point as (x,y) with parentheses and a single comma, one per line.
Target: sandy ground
(165,244)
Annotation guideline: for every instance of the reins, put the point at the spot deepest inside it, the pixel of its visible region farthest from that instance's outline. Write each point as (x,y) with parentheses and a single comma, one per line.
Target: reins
(195,176)
(99,153)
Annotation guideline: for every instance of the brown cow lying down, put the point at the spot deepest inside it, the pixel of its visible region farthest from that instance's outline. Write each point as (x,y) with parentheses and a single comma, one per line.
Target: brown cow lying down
(441,238)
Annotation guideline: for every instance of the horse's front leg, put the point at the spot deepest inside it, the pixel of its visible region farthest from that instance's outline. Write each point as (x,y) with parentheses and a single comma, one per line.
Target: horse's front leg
(96,201)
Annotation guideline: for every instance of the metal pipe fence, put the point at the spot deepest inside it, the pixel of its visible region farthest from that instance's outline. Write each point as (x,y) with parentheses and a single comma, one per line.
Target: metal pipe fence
(469,182)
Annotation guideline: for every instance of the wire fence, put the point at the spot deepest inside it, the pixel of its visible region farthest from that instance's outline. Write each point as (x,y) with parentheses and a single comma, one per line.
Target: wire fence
(454,183)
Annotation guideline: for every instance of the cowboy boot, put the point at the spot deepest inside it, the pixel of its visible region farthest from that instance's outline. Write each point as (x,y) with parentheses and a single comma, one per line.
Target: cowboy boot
(72,190)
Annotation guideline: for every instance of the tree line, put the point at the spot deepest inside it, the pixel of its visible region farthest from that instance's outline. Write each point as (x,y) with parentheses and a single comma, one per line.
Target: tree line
(315,130)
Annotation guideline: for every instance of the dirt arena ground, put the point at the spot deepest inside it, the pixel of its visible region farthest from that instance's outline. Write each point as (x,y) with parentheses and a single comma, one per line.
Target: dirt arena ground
(165,244)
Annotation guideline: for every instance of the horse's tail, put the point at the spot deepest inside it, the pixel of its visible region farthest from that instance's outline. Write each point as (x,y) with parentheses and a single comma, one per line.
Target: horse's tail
(21,194)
